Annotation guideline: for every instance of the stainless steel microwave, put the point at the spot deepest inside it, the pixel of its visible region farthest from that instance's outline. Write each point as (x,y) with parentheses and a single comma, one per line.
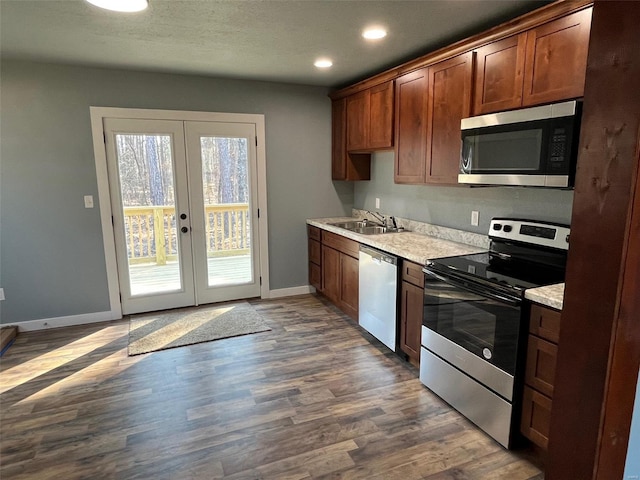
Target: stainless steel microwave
(531,147)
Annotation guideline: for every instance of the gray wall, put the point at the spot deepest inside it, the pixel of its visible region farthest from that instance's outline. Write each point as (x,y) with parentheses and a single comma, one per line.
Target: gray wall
(52,257)
(452,206)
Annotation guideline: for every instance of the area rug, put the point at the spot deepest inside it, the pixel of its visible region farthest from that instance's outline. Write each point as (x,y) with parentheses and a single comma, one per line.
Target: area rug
(151,332)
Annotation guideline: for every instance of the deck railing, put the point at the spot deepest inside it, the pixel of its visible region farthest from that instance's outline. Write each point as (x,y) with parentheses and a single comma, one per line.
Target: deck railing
(152,233)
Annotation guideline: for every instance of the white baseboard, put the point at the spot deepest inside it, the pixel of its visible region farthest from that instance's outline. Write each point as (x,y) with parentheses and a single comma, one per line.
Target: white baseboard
(290,292)
(57,322)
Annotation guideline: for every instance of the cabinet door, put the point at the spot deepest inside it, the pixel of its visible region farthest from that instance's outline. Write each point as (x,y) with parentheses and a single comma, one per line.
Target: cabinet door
(499,75)
(338,139)
(315,276)
(358,110)
(556,59)
(381,116)
(449,102)
(411,320)
(345,166)
(536,417)
(541,365)
(331,274)
(411,128)
(349,285)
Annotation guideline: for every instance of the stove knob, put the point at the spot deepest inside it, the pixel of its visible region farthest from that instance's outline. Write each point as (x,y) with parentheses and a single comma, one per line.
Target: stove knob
(567,238)
(508,228)
(497,226)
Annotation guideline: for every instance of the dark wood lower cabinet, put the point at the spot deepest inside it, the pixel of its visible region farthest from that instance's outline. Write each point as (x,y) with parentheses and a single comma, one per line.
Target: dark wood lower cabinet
(536,417)
(349,285)
(337,271)
(411,320)
(411,305)
(540,372)
(331,273)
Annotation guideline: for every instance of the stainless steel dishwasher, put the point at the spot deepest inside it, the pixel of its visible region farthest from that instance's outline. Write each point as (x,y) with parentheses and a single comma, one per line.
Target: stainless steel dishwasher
(378,285)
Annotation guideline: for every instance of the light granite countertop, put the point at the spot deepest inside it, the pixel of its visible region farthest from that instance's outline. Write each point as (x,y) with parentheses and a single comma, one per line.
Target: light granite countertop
(549,295)
(416,247)
(420,247)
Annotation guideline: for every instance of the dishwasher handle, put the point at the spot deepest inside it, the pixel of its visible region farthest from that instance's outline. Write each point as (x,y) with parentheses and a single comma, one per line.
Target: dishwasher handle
(378,256)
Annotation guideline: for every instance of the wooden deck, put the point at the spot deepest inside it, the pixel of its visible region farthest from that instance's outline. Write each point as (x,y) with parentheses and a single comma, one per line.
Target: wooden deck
(151,278)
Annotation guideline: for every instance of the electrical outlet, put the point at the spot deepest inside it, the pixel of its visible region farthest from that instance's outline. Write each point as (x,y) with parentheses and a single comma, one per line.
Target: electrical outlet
(88,201)
(1,294)
(474,218)
(377,203)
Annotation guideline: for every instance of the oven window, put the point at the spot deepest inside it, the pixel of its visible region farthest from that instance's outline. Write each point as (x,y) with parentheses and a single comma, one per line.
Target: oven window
(484,327)
(517,151)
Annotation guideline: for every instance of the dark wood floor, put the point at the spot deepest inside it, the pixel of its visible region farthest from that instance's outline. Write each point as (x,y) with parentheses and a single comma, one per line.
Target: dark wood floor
(313,398)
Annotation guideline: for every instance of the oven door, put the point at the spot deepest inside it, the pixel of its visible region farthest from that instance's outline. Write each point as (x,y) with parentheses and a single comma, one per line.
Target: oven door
(473,317)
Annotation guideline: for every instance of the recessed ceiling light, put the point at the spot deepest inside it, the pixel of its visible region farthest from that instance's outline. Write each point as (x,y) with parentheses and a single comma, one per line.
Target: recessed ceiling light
(323,63)
(374,33)
(121,5)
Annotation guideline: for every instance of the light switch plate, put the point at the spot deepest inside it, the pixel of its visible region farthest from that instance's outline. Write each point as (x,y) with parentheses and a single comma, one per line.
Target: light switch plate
(474,218)
(1,294)
(377,203)
(88,201)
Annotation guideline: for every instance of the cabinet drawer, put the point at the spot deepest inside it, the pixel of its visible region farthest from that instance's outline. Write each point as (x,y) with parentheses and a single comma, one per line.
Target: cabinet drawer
(313,232)
(536,414)
(545,323)
(412,273)
(340,243)
(541,365)
(315,253)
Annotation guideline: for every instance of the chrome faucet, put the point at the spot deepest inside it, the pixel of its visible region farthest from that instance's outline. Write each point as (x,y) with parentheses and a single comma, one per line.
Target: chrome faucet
(382,221)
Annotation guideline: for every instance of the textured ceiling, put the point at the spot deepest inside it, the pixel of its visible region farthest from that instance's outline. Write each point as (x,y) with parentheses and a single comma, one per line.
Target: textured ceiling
(273,40)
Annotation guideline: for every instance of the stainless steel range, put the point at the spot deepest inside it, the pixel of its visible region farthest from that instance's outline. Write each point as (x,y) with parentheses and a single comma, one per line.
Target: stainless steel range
(474,333)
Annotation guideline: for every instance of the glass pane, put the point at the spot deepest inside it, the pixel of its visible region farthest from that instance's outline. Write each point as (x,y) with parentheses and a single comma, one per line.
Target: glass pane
(225,180)
(518,151)
(145,166)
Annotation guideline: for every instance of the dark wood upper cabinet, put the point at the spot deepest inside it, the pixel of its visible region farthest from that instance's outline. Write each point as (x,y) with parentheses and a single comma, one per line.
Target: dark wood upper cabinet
(381,116)
(370,118)
(449,101)
(543,65)
(411,127)
(345,166)
(499,75)
(358,107)
(556,59)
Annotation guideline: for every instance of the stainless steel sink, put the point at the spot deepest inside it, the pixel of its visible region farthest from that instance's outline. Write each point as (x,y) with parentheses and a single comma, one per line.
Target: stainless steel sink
(365,228)
(351,225)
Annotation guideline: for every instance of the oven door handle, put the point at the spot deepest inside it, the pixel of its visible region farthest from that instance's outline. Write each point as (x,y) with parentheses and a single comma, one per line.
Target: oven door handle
(479,291)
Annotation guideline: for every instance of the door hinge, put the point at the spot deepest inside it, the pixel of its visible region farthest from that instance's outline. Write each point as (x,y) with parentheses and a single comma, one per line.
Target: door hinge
(258,213)
(104,138)
(112,223)
(260,280)
(256,141)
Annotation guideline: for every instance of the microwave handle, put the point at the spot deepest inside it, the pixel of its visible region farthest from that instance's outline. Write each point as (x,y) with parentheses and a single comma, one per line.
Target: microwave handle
(479,291)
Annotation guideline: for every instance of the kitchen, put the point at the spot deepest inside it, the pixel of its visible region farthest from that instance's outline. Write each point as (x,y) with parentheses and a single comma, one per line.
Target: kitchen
(317,205)
(406,169)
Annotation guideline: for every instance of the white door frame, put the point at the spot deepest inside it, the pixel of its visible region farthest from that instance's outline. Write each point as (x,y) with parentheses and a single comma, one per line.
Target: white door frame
(98,114)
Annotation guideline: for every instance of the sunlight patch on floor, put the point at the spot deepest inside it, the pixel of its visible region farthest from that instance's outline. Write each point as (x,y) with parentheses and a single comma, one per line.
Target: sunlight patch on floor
(27,371)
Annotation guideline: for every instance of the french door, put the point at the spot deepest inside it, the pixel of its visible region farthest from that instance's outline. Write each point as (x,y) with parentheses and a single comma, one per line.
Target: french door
(182,198)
